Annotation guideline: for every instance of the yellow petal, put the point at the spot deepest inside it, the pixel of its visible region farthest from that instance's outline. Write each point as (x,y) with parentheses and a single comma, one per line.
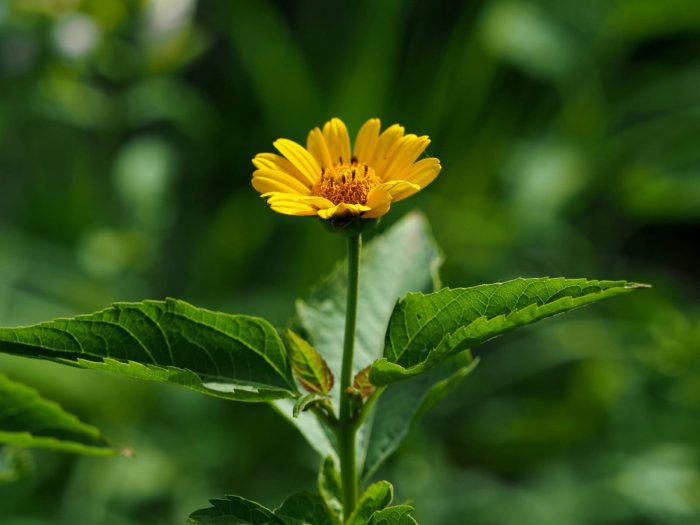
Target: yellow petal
(311,200)
(277,162)
(400,189)
(423,172)
(403,157)
(366,140)
(379,201)
(317,146)
(300,158)
(385,146)
(265,185)
(338,140)
(300,210)
(342,210)
(291,182)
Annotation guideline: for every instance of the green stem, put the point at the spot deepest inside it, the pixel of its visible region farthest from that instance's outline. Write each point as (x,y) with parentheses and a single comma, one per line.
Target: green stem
(346,427)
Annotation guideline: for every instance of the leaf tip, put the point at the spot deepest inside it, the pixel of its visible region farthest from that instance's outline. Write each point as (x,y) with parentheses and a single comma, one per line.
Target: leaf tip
(636,286)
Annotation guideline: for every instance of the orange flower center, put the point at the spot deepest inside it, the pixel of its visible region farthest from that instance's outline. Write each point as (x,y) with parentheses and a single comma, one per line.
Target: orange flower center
(346,183)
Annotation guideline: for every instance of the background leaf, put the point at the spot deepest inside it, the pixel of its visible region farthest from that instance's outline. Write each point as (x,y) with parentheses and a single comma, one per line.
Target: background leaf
(28,420)
(232,356)
(424,329)
(234,510)
(403,404)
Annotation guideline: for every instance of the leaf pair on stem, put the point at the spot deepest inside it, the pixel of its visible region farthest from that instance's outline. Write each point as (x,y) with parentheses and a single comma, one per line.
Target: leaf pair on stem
(411,348)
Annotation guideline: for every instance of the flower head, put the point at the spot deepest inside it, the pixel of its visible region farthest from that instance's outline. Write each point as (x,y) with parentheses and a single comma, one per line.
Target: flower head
(326,179)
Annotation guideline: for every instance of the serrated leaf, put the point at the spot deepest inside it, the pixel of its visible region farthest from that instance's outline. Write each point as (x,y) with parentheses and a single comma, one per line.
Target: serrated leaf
(362,384)
(414,260)
(376,497)
(305,402)
(28,420)
(231,356)
(397,515)
(306,508)
(234,510)
(330,487)
(402,405)
(310,369)
(425,329)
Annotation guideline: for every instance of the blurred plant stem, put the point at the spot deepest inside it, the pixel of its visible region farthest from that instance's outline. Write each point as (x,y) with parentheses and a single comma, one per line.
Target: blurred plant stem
(346,427)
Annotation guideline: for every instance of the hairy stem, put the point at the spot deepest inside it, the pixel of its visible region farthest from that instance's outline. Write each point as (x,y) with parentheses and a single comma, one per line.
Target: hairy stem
(346,427)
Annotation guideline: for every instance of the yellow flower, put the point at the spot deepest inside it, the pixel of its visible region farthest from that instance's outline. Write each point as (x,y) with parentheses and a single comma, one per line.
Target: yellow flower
(325,179)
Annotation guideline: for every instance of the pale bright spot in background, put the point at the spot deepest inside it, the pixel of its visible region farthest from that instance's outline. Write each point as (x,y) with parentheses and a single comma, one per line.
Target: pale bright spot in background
(165,16)
(75,36)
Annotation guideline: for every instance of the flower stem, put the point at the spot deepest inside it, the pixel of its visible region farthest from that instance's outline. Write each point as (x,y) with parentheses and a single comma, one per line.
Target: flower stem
(346,427)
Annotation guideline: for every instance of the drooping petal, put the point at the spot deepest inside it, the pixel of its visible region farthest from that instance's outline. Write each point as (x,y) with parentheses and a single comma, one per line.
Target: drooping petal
(400,189)
(318,147)
(338,140)
(406,153)
(388,140)
(300,158)
(379,201)
(342,210)
(298,204)
(279,177)
(366,140)
(277,162)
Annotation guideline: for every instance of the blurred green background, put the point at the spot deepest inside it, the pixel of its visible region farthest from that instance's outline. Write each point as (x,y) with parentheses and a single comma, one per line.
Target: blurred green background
(569,133)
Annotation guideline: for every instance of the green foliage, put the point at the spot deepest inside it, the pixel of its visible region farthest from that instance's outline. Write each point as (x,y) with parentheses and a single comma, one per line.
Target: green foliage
(402,405)
(329,486)
(375,498)
(425,329)
(232,356)
(403,259)
(310,369)
(305,402)
(234,510)
(396,515)
(306,508)
(28,420)
(322,315)
(15,464)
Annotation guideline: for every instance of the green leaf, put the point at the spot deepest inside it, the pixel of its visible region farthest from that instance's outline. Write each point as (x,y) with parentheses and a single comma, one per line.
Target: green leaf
(231,356)
(402,405)
(306,508)
(310,369)
(330,487)
(425,329)
(403,259)
(319,436)
(234,510)
(305,402)
(28,420)
(376,497)
(397,515)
